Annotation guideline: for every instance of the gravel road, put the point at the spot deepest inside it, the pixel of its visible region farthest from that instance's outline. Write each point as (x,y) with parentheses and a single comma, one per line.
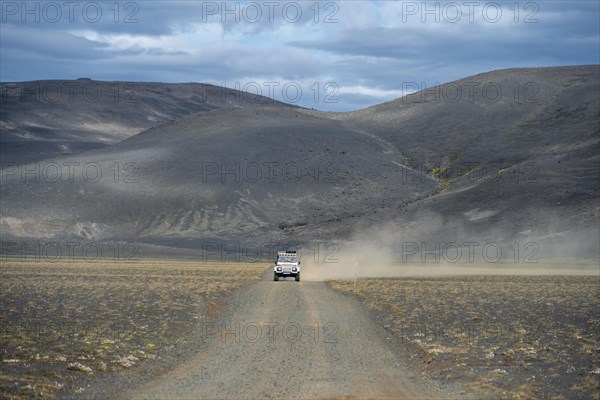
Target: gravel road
(289,340)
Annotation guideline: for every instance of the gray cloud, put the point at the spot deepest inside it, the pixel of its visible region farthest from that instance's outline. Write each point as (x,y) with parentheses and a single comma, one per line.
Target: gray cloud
(43,44)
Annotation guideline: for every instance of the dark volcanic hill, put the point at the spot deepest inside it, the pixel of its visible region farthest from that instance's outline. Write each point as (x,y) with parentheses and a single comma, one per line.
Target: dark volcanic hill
(43,119)
(517,150)
(514,160)
(227,174)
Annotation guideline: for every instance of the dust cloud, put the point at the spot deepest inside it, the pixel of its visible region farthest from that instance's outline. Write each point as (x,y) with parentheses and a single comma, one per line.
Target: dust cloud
(390,252)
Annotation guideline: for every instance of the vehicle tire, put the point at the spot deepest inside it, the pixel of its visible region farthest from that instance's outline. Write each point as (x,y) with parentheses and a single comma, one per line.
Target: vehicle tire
(298,277)
(275,277)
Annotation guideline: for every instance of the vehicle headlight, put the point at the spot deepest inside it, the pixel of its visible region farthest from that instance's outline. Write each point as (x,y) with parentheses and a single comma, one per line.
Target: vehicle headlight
(294,269)
(278,268)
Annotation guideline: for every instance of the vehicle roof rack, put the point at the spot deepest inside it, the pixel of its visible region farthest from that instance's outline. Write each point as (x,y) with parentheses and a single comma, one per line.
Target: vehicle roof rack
(286,254)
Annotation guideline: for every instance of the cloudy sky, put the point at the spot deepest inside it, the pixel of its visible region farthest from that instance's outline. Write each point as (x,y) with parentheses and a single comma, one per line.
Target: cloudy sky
(328,55)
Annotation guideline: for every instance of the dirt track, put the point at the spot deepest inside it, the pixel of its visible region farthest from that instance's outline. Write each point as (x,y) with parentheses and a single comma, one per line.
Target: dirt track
(251,351)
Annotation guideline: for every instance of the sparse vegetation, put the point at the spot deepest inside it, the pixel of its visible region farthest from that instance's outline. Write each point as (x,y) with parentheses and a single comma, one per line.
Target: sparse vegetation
(63,324)
(503,337)
(439,173)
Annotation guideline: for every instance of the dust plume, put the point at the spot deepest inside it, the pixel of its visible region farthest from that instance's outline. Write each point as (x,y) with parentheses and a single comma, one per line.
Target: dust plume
(389,251)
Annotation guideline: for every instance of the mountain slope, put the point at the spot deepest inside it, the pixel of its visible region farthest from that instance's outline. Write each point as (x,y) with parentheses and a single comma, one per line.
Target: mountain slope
(228,174)
(520,158)
(521,169)
(43,119)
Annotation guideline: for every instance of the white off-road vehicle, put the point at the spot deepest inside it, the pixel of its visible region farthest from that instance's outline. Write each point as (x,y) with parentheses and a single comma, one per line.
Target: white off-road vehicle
(287,264)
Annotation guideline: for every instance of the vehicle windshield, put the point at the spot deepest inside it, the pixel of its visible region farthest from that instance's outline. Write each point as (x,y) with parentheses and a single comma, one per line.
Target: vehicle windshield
(287,259)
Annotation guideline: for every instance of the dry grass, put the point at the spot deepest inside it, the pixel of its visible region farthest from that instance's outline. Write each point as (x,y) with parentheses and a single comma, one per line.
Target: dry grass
(500,337)
(64,322)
